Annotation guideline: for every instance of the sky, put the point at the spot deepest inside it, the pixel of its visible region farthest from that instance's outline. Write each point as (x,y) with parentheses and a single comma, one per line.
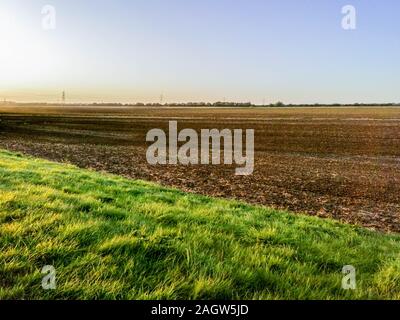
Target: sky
(294,51)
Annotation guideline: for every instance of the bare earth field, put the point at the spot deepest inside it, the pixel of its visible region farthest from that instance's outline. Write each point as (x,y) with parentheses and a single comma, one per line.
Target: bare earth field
(330,162)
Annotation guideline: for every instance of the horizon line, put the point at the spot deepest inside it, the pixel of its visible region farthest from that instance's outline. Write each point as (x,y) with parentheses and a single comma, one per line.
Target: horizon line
(193,103)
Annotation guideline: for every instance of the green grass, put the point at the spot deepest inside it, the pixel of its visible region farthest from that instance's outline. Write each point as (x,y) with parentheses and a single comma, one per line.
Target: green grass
(114,238)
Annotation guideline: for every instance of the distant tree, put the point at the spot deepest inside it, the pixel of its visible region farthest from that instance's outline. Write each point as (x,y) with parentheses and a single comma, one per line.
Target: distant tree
(278,104)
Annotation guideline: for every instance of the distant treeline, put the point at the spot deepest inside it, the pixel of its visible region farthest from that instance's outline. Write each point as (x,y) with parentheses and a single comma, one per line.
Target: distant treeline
(201,104)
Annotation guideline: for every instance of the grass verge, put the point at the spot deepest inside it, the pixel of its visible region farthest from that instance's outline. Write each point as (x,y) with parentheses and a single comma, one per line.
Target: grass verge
(113,238)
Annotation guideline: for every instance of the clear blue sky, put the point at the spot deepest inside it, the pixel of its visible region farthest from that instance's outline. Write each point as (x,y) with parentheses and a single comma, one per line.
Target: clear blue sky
(205,50)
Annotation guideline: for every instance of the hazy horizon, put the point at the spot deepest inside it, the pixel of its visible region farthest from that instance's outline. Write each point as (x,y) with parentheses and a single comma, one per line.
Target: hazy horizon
(5,102)
(248,51)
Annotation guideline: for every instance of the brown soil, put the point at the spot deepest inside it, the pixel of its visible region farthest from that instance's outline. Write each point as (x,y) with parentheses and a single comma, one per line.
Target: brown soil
(338,162)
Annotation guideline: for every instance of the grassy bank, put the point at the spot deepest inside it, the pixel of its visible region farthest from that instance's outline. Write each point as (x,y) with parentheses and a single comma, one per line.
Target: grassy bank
(113,238)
